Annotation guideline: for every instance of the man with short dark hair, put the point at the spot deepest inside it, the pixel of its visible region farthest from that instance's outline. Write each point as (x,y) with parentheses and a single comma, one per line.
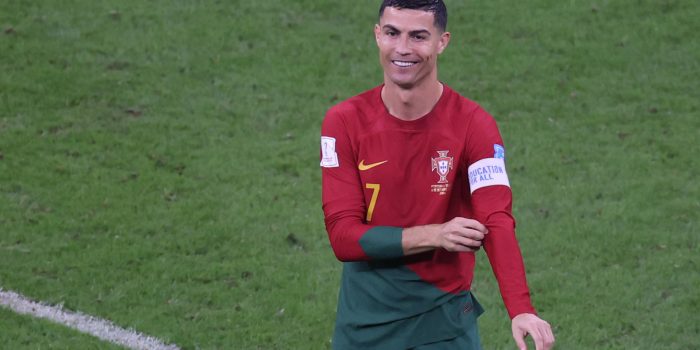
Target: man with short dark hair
(411,170)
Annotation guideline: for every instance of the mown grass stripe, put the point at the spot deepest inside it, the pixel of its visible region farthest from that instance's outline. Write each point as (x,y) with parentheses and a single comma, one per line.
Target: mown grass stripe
(94,326)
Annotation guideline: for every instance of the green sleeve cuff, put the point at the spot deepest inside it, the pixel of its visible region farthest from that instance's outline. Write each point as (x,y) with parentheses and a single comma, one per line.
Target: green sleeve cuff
(382,242)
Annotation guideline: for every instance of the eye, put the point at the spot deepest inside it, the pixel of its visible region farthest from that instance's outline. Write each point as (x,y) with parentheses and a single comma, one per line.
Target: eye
(419,37)
(391,33)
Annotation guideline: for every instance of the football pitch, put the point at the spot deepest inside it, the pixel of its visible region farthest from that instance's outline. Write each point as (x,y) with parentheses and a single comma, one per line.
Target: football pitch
(159,164)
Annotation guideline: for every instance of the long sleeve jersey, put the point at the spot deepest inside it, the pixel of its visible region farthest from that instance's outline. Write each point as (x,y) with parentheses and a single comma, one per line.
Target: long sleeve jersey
(382,174)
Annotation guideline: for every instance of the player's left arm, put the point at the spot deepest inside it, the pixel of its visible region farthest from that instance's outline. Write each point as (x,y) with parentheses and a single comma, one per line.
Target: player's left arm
(491,198)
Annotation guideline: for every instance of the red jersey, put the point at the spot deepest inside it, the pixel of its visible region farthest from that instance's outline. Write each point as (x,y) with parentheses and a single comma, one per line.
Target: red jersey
(382,174)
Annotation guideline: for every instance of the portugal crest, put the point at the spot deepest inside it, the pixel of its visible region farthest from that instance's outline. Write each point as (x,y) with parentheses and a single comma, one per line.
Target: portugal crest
(443,165)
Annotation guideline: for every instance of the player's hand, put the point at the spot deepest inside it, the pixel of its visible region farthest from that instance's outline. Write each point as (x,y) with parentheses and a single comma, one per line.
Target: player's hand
(537,328)
(461,235)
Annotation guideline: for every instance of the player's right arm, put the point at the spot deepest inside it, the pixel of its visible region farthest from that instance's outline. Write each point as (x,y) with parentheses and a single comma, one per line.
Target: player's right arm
(345,210)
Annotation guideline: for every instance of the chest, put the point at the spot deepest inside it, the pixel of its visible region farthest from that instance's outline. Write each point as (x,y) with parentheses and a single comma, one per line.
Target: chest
(426,162)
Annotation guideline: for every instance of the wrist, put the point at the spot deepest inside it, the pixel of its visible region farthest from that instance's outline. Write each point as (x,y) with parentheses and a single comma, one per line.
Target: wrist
(428,236)
(418,239)
(433,235)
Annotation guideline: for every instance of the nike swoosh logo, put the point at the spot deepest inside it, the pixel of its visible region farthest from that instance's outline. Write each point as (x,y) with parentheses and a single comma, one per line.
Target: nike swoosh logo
(364,167)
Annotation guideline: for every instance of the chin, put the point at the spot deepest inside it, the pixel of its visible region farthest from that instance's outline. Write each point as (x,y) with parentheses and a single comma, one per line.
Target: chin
(405,85)
(402,81)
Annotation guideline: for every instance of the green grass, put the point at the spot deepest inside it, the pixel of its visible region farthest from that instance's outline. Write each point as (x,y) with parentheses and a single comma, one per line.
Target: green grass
(159,164)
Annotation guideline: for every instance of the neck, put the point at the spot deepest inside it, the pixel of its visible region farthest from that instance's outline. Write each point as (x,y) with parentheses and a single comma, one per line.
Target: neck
(411,103)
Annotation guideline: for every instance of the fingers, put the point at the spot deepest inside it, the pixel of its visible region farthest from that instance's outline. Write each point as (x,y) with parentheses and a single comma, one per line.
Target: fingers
(466,228)
(469,239)
(460,241)
(519,337)
(456,248)
(538,329)
(468,233)
(548,336)
(469,223)
(453,247)
(538,339)
(543,337)
(457,243)
(462,235)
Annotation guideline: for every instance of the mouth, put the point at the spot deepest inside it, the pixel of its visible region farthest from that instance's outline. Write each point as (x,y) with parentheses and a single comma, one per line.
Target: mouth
(404,64)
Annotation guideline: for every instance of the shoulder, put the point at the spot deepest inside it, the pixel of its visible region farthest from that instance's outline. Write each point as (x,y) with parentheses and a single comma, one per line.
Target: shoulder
(356,107)
(466,111)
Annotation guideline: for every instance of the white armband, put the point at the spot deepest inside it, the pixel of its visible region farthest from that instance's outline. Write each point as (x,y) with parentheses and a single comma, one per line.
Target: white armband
(487,172)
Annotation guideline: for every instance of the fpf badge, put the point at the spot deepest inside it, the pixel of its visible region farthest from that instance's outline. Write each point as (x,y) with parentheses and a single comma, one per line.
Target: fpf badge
(443,164)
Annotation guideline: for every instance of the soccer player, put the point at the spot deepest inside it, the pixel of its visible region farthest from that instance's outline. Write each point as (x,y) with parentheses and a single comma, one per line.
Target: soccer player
(414,182)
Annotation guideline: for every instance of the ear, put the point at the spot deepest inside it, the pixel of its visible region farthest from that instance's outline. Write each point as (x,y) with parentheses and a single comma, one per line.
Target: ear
(444,40)
(377,32)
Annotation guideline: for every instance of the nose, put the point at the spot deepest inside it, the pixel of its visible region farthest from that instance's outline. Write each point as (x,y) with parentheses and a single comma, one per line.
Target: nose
(403,46)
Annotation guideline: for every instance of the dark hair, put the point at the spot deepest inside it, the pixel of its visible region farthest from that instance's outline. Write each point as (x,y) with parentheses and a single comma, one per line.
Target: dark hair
(437,7)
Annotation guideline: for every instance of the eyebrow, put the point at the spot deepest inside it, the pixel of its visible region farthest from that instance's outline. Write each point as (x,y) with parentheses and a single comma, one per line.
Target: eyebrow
(412,32)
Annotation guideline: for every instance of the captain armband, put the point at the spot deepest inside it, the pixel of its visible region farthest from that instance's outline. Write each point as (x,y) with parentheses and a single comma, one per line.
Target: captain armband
(487,172)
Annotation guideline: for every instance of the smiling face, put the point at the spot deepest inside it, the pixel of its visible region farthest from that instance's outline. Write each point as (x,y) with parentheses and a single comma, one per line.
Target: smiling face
(409,44)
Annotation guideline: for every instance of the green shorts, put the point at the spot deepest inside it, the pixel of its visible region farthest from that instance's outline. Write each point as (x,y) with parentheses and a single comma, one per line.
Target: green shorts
(468,341)
(450,326)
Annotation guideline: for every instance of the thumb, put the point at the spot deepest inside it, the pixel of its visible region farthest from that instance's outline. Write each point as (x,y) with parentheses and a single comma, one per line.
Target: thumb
(519,337)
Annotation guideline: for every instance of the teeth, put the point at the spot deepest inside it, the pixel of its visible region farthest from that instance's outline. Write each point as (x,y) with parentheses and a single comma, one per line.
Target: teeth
(403,63)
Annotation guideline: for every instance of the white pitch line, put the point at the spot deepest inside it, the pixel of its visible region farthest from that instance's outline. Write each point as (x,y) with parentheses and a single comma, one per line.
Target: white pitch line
(94,326)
